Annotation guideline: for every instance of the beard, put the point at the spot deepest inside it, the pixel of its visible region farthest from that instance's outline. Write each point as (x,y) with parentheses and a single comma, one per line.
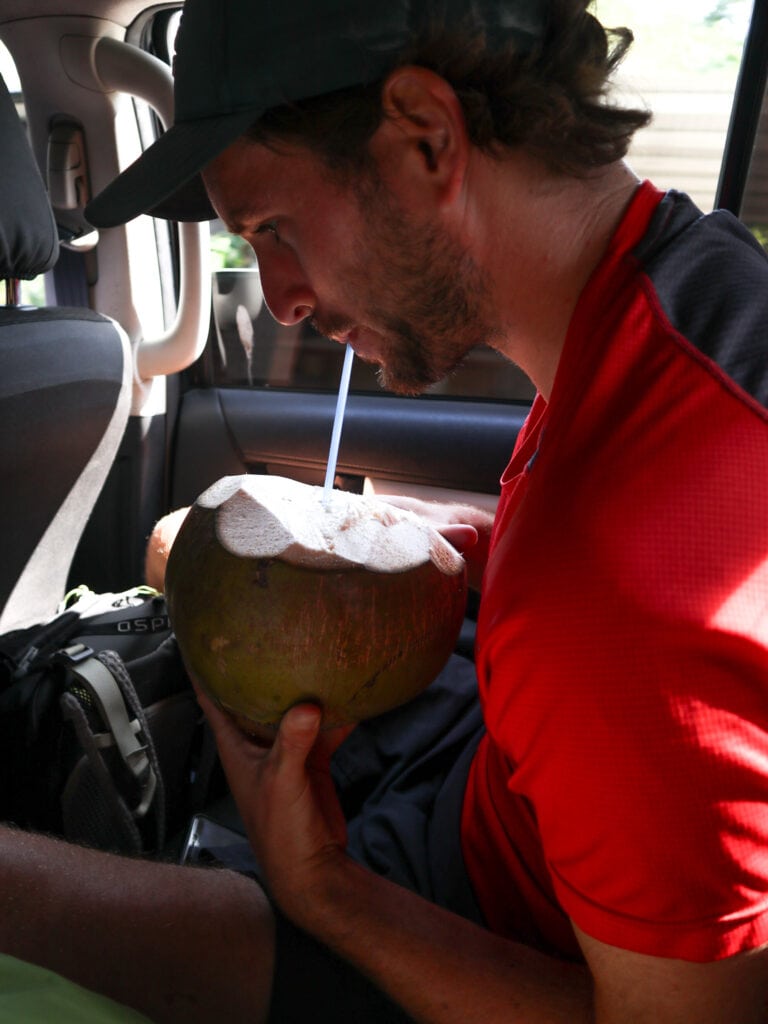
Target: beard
(421,289)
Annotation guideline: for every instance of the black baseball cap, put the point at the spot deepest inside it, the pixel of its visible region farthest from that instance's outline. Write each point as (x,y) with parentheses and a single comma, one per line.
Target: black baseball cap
(237,59)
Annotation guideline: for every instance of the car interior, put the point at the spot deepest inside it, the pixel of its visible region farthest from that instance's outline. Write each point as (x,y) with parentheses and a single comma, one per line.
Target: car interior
(138,364)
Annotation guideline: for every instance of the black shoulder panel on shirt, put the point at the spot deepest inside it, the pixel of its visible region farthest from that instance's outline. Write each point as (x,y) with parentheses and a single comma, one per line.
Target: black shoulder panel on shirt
(711,278)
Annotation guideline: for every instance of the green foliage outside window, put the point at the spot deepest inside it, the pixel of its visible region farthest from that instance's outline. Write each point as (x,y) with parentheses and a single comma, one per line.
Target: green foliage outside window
(761,234)
(33,292)
(692,37)
(230,251)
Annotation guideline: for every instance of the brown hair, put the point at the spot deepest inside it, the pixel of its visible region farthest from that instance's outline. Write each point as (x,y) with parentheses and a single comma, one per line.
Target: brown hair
(554,100)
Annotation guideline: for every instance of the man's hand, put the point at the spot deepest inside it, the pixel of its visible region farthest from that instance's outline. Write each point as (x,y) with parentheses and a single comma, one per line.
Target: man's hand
(467,528)
(286,796)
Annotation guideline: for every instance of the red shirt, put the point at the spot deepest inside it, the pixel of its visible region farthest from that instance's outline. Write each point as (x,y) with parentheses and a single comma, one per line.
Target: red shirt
(622,646)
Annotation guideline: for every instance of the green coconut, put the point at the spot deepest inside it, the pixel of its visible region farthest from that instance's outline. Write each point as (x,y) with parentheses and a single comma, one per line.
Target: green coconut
(279,593)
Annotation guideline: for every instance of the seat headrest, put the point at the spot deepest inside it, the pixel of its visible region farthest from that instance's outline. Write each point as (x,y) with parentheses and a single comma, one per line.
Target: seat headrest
(29,243)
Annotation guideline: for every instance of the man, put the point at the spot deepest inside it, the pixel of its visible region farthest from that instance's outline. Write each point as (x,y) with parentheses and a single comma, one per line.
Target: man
(612,815)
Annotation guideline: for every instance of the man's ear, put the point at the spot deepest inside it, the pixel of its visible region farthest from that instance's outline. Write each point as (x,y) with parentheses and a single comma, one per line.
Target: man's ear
(423,131)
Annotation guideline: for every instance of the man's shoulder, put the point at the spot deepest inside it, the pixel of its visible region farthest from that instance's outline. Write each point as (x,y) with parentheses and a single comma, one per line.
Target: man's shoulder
(709,276)
(678,225)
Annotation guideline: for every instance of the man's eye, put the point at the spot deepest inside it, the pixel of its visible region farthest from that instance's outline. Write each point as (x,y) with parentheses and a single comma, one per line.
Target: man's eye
(269,228)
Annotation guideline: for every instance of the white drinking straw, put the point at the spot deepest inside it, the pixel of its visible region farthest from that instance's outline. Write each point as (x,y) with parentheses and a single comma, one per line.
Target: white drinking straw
(338,421)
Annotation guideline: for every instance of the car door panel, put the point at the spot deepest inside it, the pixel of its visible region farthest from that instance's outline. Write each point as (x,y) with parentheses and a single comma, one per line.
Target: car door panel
(454,444)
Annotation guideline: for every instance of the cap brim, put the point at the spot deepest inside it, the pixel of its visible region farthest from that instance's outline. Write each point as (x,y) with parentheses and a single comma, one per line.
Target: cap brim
(165,180)
(190,202)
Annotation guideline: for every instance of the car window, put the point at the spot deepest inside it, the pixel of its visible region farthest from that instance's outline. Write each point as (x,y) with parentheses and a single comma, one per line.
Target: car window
(683,65)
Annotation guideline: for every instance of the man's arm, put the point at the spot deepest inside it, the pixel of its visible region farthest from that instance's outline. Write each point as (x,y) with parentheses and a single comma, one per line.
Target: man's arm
(439,967)
(639,989)
(176,943)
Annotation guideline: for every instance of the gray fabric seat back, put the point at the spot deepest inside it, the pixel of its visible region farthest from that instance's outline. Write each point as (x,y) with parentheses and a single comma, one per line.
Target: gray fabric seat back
(65,383)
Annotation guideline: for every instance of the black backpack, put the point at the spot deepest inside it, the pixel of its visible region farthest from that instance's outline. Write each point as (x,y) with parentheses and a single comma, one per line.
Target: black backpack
(101,738)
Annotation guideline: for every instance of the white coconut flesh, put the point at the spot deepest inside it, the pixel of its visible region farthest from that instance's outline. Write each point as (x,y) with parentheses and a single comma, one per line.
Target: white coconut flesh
(275,517)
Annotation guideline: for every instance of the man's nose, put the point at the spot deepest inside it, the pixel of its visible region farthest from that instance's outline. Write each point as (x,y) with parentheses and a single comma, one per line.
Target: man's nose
(287,292)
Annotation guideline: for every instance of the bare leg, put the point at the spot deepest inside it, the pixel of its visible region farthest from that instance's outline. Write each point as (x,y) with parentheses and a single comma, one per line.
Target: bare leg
(178,944)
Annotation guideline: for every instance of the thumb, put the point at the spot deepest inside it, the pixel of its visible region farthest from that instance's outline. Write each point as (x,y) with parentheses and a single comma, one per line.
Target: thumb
(298,732)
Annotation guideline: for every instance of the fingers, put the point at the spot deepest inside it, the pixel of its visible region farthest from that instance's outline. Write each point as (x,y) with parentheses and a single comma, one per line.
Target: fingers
(299,726)
(212,712)
(457,532)
(219,720)
(292,743)
(228,735)
(461,536)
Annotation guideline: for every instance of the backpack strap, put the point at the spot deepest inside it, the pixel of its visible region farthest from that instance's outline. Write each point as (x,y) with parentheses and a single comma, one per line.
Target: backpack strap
(103,689)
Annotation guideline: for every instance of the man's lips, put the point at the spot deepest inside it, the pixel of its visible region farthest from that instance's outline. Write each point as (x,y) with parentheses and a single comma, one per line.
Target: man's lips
(341,339)
(366,345)
(365,342)
(361,340)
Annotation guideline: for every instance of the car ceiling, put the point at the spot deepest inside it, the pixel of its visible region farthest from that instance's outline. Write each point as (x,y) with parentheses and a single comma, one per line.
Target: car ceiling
(122,12)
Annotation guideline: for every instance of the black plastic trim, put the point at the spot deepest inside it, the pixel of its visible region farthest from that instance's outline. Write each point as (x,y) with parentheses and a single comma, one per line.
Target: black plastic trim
(745,116)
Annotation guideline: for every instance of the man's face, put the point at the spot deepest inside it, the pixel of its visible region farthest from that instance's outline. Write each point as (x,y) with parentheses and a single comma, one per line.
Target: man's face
(402,292)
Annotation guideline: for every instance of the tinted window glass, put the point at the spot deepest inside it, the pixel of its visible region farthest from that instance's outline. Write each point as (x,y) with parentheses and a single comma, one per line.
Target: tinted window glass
(252,349)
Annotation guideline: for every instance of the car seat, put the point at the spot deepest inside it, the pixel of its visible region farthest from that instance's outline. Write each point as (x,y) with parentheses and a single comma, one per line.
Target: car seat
(65,387)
